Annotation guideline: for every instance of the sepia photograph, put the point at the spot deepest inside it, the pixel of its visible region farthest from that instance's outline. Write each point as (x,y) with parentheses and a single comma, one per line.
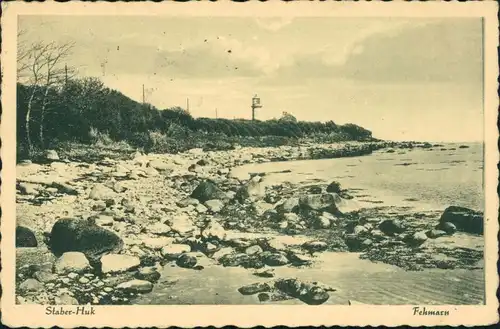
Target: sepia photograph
(250,160)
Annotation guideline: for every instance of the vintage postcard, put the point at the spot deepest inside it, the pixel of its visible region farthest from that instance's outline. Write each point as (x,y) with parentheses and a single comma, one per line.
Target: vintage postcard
(260,163)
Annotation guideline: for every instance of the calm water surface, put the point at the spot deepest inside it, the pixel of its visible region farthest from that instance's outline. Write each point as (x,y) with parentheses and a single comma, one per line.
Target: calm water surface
(434,178)
(354,279)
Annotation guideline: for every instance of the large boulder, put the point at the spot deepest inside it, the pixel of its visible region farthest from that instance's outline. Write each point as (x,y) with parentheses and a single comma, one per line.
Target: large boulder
(221,253)
(253,190)
(51,155)
(135,286)
(359,230)
(151,172)
(160,165)
(118,187)
(128,205)
(252,250)
(157,243)
(261,207)
(185,202)
(416,239)
(291,217)
(434,234)
(182,224)
(234,259)
(39,256)
(318,202)
(31,285)
(186,260)
(391,227)
(272,216)
(114,263)
(213,231)
(272,244)
(72,262)
(103,220)
(315,190)
(207,190)
(173,251)
(214,205)
(69,234)
(201,209)
(334,187)
(254,288)
(298,257)
(357,243)
(321,222)
(44,276)
(148,273)
(27,188)
(101,192)
(464,219)
(289,205)
(448,227)
(309,293)
(273,259)
(25,238)
(315,246)
(158,228)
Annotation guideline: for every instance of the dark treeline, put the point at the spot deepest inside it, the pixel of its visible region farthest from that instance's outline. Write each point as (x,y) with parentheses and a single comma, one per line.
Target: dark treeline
(86,111)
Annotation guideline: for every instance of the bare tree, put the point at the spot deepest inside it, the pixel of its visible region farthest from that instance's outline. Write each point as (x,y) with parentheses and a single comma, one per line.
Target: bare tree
(32,61)
(39,65)
(23,53)
(55,74)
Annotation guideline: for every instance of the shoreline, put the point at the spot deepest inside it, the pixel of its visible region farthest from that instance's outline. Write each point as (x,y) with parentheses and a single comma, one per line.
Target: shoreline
(303,149)
(406,163)
(164,222)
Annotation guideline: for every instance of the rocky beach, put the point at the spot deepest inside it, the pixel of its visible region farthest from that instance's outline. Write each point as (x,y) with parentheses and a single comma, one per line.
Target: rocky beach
(149,228)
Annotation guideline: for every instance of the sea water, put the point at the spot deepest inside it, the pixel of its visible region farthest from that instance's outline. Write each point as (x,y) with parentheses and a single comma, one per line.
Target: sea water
(435,178)
(422,178)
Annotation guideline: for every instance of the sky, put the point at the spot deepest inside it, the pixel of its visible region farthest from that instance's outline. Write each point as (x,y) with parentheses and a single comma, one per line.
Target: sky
(404,79)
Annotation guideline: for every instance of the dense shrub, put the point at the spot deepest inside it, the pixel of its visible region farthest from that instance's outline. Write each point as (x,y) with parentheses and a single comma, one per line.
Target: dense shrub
(84,110)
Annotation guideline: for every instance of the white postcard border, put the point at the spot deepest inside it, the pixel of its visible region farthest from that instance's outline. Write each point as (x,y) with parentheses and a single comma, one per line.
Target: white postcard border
(249,315)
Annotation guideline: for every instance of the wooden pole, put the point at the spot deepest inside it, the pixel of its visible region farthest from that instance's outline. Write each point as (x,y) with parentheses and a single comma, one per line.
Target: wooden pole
(66,74)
